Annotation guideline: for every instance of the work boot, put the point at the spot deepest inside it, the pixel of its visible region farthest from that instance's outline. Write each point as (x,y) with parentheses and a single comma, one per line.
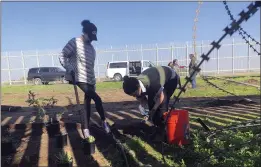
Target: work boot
(106,127)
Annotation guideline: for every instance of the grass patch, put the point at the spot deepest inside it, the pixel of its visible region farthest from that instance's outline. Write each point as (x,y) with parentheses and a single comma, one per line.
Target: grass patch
(202,90)
(228,148)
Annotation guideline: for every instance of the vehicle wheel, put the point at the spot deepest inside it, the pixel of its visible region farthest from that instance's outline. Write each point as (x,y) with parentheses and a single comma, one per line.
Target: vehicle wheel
(37,81)
(117,77)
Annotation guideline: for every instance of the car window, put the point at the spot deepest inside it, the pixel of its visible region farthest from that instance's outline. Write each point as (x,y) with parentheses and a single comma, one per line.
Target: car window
(118,65)
(34,70)
(52,70)
(59,70)
(44,70)
(135,64)
(146,64)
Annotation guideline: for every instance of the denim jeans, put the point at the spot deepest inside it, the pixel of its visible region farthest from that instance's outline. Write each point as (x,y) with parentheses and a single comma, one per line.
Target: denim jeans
(193,82)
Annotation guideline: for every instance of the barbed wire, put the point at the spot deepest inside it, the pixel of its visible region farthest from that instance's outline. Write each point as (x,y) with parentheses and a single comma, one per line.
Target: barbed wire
(229,30)
(241,31)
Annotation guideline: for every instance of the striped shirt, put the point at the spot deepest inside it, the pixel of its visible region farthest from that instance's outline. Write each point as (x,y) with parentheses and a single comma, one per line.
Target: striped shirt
(79,57)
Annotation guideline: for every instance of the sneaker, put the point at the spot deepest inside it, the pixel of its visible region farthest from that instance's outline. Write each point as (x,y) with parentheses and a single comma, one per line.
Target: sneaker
(106,127)
(86,133)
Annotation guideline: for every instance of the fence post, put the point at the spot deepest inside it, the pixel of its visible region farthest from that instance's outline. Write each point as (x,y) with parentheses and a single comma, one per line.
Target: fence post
(171,47)
(52,60)
(218,61)
(248,55)
(8,66)
(187,57)
(97,64)
(141,52)
(112,55)
(23,67)
(201,51)
(37,58)
(233,43)
(127,52)
(157,54)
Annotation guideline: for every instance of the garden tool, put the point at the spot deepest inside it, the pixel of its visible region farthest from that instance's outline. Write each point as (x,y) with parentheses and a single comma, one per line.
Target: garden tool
(84,120)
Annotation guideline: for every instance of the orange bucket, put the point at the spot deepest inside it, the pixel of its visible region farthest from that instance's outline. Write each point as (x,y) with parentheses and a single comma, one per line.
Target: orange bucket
(177,127)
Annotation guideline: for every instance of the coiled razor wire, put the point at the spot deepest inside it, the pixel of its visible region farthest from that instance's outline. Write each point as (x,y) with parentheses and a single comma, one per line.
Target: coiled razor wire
(241,31)
(229,30)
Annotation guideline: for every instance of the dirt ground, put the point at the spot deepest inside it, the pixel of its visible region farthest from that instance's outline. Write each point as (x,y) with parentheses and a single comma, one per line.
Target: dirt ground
(118,107)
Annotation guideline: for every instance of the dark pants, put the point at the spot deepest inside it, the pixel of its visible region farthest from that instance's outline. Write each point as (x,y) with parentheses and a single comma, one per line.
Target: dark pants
(90,94)
(168,91)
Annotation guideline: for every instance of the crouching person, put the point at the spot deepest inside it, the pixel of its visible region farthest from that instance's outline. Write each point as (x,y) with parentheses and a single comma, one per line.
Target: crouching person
(78,57)
(158,84)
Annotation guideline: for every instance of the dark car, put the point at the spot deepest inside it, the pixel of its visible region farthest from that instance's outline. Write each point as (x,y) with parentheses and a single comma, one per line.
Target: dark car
(44,75)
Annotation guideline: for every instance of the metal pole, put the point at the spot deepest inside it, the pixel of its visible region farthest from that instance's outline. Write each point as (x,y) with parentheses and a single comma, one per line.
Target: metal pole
(98,68)
(112,54)
(37,58)
(52,61)
(157,54)
(141,52)
(172,57)
(8,66)
(25,81)
(127,53)
(201,52)
(187,57)
(248,55)
(218,61)
(233,43)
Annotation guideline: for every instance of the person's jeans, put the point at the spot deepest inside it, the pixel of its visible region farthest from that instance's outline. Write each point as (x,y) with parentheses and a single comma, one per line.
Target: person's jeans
(193,82)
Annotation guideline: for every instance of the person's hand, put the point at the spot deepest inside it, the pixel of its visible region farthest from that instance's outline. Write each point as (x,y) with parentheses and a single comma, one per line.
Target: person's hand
(151,114)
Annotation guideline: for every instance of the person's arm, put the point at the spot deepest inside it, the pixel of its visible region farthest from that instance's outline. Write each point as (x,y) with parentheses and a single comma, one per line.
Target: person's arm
(142,100)
(66,53)
(158,100)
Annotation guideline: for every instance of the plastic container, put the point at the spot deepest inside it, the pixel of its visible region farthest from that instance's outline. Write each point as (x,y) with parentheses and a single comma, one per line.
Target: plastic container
(177,127)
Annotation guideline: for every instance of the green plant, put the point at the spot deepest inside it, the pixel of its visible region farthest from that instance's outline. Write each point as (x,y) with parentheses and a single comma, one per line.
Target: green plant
(90,139)
(40,104)
(63,158)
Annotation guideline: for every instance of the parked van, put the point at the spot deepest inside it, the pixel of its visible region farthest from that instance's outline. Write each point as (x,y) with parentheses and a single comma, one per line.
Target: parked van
(118,69)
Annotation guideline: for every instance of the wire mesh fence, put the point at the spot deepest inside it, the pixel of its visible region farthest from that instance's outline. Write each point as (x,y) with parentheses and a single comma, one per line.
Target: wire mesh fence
(234,56)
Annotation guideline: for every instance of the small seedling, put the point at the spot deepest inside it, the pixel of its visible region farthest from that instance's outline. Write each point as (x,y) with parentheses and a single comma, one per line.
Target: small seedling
(40,104)
(63,158)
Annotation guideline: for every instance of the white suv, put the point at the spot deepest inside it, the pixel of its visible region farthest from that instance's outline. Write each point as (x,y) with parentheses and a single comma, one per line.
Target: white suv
(118,69)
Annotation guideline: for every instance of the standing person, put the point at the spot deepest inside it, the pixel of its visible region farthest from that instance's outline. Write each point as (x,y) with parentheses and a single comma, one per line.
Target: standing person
(78,57)
(158,83)
(176,66)
(192,64)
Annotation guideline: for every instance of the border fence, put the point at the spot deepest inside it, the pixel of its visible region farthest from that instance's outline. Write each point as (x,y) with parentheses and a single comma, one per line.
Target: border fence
(233,57)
